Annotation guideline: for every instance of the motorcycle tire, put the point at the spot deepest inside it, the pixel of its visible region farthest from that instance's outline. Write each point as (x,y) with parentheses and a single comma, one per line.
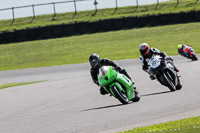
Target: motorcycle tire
(168,81)
(137,96)
(121,96)
(194,57)
(179,86)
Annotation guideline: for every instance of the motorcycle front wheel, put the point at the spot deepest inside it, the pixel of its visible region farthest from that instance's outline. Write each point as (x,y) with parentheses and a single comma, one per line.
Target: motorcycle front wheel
(121,96)
(169,81)
(194,57)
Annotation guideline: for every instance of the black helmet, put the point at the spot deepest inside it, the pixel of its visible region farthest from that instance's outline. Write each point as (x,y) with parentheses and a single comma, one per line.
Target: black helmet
(94,60)
(144,49)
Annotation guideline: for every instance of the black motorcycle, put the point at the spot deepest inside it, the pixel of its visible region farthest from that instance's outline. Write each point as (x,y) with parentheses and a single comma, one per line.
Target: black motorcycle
(164,72)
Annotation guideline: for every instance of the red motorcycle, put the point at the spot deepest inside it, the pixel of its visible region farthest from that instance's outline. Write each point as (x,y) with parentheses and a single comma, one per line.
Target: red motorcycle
(189,53)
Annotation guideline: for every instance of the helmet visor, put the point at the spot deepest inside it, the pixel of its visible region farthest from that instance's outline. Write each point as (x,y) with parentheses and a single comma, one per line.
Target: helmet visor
(93,63)
(144,51)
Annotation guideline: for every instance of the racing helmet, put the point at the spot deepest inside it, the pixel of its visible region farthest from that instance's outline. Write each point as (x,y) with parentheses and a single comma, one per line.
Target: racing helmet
(179,46)
(94,60)
(144,49)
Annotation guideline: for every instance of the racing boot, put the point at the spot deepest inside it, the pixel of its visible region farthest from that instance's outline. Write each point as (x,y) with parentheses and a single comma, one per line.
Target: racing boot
(152,77)
(103,91)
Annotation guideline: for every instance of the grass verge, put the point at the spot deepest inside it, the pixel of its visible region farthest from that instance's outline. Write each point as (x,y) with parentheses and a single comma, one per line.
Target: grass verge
(190,125)
(3,86)
(116,45)
(89,16)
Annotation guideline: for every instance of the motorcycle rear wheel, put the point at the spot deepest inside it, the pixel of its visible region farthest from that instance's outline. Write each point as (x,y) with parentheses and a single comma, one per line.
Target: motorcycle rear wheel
(179,86)
(137,96)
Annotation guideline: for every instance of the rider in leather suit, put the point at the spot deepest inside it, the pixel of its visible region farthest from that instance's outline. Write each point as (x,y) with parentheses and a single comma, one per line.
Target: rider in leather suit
(96,63)
(147,52)
(184,50)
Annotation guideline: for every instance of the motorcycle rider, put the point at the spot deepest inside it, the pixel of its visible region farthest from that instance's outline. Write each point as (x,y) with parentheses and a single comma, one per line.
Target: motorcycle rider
(96,63)
(185,50)
(147,52)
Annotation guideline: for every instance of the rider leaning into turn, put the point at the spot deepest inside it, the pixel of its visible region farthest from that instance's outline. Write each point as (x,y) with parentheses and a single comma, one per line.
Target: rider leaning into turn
(147,52)
(96,63)
(184,50)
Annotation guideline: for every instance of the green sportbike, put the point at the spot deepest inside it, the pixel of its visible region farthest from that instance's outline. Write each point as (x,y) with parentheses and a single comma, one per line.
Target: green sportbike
(118,85)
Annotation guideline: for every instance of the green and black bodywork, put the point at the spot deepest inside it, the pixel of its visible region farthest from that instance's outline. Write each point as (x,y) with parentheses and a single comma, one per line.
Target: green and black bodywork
(118,85)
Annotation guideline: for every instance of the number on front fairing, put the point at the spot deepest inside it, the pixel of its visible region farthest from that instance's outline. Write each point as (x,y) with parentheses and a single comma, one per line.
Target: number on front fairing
(154,62)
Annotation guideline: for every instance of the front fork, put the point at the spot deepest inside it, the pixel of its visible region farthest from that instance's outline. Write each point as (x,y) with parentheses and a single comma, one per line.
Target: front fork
(129,92)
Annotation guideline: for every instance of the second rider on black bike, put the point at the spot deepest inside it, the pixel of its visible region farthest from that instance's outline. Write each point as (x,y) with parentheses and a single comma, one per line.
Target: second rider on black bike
(146,54)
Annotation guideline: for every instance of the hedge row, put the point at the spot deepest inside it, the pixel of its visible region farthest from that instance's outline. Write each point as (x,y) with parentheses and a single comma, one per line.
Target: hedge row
(65,30)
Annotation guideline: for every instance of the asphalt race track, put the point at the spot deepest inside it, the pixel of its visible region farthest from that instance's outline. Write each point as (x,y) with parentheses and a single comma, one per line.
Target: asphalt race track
(69,102)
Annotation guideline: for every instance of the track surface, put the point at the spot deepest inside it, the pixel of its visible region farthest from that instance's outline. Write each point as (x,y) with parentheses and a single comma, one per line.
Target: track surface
(69,102)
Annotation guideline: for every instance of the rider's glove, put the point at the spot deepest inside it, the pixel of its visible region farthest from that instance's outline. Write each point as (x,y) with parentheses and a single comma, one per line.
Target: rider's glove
(119,69)
(169,58)
(163,54)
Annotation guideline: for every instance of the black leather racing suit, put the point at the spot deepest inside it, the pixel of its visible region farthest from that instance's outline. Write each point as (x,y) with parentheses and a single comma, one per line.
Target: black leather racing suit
(105,62)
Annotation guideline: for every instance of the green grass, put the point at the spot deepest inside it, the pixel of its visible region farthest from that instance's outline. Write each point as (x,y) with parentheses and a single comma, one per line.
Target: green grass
(190,125)
(116,45)
(44,20)
(3,86)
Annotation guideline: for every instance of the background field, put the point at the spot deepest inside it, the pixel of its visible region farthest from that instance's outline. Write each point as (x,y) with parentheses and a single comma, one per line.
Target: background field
(113,45)
(88,16)
(116,45)
(190,125)
(3,86)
